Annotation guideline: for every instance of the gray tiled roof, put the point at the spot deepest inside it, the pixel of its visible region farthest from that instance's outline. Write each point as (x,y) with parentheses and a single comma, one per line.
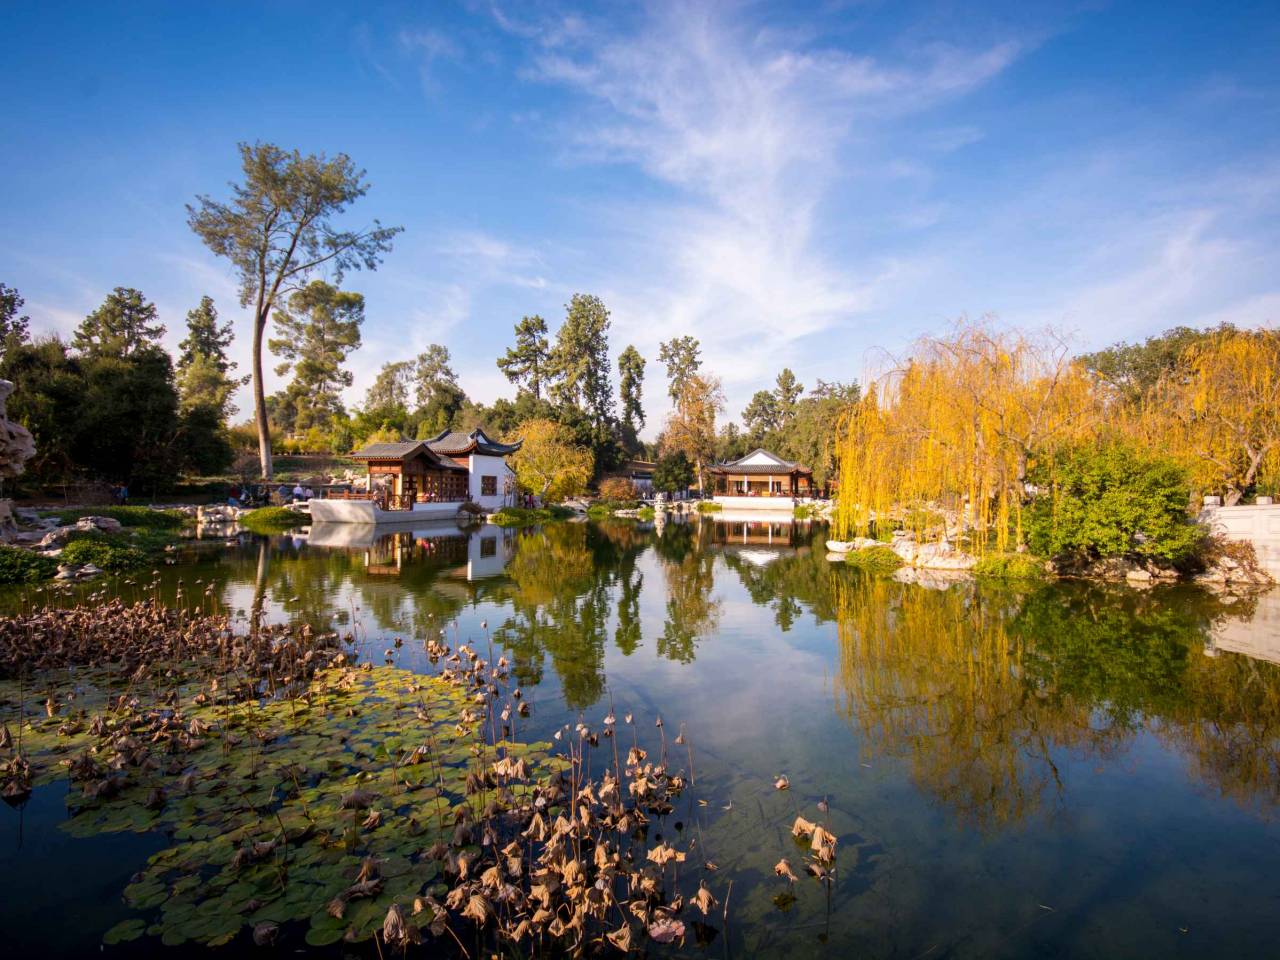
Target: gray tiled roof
(455,442)
(780,466)
(387,451)
(399,450)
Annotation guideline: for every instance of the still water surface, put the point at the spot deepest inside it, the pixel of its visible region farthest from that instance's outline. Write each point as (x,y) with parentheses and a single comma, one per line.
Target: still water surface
(1059,770)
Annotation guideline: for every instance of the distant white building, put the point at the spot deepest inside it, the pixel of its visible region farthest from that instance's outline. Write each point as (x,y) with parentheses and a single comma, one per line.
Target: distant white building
(421,479)
(492,483)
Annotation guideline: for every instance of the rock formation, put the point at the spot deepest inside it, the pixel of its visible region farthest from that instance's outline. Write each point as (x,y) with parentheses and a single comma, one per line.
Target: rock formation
(16,445)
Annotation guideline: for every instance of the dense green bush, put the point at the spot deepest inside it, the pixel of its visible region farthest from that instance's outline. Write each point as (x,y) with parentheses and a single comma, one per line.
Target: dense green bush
(1114,500)
(23,566)
(707,506)
(128,516)
(273,520)
(1009,566)
(874,559)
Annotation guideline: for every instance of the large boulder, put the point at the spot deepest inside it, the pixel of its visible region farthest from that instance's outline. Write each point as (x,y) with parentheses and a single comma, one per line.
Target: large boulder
(16,444)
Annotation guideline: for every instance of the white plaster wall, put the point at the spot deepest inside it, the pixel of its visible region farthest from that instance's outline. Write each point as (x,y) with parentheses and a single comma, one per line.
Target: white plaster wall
(776,504)
(1257,525)
(489,466)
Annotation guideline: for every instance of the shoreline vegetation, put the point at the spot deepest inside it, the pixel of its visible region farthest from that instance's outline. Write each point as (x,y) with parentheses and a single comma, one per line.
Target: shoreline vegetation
(309,797)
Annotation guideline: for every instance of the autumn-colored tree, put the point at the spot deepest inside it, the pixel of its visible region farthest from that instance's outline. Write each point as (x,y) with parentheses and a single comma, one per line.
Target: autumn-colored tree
(691,427)
(1222,412)
(549,464)
(956,426)
(617,488)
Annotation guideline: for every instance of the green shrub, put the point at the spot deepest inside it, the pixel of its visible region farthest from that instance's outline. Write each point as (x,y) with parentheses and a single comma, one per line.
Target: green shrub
(522,517)
(599,511)
(645,513)
(103,553)
(1113,500)
(128,516)
(1009,566)
(874,559)
(707,506)
(273,520)
(23,566)
(804,511)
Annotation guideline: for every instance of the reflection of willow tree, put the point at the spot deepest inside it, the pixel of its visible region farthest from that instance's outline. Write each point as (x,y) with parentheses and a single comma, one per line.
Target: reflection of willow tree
(935,676)
(561,607)
(692,612)
(1228,722)
(978,688)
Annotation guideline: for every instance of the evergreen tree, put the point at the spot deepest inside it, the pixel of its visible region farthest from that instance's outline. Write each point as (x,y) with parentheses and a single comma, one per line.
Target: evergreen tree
(122,326)
(390,389)
(436,391)
(277,230)
(203,366)
(787,392)
(525,364)
(206,337)
(762,417)
(318,331)
(630,389)
(680,355)
(13,327)
(580,360)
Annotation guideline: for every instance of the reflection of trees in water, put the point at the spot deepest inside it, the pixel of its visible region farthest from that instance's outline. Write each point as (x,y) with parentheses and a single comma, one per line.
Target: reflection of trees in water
(688,567)
(561,607)
(790,584)
(1228,722)
(934,677)
(980,688)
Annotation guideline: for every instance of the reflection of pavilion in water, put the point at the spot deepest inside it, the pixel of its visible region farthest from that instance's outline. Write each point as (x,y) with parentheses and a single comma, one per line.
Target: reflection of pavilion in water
(1256,637)
(470,554)
(756,537)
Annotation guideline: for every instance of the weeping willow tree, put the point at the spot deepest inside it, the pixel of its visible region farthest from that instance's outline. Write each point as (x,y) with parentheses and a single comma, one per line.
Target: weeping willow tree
(944,442)
(1219,411)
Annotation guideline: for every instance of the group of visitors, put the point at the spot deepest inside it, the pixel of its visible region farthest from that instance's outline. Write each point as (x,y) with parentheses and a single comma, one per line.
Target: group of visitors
(297,494)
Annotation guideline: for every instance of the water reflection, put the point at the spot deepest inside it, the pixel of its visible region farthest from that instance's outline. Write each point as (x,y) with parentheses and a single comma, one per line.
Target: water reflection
(974,741)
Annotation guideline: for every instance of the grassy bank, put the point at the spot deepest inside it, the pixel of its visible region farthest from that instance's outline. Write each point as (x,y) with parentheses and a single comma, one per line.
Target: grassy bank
(273,520)
(144,517)
(874,560)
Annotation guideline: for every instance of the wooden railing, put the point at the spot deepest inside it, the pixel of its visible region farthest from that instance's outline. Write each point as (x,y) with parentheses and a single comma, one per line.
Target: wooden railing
(394,501)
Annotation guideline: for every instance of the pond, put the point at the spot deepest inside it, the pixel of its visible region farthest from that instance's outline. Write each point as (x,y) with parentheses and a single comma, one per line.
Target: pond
(1047,770)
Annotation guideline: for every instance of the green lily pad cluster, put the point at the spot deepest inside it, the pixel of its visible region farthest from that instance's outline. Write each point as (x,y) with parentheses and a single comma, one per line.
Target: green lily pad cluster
(298,788)
(276,807)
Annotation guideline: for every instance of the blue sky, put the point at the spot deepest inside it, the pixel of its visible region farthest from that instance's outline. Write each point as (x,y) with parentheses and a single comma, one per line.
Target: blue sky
(793,185)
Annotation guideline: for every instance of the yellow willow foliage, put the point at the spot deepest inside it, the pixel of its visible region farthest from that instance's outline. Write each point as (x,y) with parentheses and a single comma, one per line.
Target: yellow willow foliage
(1220,412)
(935,678)
(946,440)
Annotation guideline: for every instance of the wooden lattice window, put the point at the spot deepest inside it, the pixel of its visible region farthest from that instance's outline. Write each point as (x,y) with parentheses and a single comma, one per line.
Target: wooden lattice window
(488,486)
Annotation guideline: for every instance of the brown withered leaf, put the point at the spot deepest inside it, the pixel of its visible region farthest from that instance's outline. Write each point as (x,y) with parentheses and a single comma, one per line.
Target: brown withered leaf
(802,828)
(783,869)
(704,899)
(664,853)
(621,938)
(478,909)
(782,783)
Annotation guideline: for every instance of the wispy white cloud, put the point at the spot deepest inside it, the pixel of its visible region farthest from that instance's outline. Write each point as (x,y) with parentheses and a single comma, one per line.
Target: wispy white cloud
(747,128)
